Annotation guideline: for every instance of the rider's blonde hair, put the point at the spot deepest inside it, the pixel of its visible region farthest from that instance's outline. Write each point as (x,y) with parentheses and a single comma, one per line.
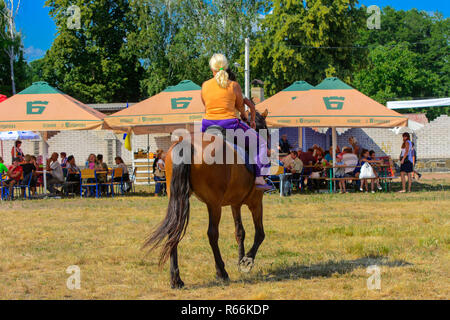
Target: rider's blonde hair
(219,64)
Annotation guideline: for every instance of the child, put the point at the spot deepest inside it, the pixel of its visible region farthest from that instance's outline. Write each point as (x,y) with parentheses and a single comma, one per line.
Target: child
(364,182)
(372,159)
(340,174)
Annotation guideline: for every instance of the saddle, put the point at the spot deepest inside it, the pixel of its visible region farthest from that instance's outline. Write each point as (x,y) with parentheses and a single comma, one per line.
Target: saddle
(243,153)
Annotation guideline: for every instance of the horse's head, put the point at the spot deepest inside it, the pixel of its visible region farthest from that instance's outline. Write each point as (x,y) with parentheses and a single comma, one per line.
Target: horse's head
(260,120)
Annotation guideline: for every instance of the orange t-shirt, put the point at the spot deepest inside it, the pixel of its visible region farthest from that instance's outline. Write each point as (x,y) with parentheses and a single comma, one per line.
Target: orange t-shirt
(220,103)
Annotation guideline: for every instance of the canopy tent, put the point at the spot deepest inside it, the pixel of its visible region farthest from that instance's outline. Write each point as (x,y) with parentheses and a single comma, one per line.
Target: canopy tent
(335,104)
(177,105)
(282,98)
(41,107)
(412,104)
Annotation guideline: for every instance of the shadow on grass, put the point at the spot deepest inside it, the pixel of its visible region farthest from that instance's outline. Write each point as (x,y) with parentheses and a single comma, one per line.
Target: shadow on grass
(321,270)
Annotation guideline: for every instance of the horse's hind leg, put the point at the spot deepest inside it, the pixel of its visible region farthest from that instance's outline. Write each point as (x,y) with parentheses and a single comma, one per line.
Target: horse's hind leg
(240,232)
(215,214)
(248,261)
(175,279)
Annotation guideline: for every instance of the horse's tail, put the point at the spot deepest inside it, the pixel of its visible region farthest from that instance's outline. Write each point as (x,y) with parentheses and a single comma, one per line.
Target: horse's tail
(172,230)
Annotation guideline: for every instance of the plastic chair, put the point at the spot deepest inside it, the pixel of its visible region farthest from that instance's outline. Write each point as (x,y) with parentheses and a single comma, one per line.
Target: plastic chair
(88,175)
(117,180)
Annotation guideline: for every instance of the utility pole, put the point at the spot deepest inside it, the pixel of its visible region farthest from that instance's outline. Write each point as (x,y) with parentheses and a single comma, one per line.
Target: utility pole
(247,68)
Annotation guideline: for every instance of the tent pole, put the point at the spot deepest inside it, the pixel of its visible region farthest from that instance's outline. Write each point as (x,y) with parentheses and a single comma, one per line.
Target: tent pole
(2,149)
(148,158)
(44,160)
(334,140)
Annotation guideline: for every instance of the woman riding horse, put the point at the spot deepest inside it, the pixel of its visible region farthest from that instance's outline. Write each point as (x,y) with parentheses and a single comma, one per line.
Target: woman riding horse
(217,185)
(222,98)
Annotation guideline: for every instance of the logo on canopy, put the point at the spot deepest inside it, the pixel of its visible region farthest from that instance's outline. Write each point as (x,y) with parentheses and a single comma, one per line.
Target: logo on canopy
(334,103)
(181,103)
(36,107)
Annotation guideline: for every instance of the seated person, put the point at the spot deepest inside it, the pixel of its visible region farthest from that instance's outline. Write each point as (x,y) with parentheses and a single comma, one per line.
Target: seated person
(125,175)
(294,165)
(55,175)
(73,175)
(29,171)
(372,160)
(3,168)
(351,162)
(14,176)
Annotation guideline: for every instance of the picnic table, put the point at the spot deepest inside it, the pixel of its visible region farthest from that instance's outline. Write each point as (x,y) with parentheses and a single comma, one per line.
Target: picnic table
(326,172)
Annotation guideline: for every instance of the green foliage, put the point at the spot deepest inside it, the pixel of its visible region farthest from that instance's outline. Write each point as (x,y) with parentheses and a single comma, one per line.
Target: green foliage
(20,65)
(177,40)
(95,63)
(286,48)
(408,59)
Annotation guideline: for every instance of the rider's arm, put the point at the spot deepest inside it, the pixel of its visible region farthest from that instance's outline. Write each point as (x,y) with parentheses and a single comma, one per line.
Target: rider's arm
(239,98)
(252,108)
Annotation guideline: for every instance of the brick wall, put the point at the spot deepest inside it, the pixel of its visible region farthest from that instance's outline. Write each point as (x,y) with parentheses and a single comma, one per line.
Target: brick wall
(432,142)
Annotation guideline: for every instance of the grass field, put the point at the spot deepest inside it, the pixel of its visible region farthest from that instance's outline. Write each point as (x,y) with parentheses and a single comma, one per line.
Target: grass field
(316,247)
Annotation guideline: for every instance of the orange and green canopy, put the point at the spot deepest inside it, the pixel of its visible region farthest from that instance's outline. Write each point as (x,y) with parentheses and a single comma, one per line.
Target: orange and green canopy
(177,105)
(282,98)
(44,108)
(335,104)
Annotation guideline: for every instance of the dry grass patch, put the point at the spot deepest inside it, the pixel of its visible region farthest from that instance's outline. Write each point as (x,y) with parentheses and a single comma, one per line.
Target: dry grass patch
(316,247)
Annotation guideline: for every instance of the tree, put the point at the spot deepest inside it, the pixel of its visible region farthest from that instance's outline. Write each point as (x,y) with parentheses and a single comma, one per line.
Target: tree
(307,40)
(177,38)
(408,58)
(9,12)
(94,63)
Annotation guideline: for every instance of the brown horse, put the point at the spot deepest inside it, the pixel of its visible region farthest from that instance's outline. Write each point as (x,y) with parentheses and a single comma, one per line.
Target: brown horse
(217,185)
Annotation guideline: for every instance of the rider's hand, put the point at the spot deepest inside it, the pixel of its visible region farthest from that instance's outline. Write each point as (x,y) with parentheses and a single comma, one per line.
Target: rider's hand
(244,117)
(253,124)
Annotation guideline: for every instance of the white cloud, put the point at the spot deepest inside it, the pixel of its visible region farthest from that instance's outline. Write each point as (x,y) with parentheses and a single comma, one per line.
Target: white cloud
(32,53)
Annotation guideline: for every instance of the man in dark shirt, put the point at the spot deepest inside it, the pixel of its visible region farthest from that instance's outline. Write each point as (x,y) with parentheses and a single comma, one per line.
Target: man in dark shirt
(285,147)
(28,174)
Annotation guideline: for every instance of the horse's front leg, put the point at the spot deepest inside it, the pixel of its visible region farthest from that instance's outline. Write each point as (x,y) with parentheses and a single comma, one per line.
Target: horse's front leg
(215,214)
(240,232)
(256,207)
(175,280)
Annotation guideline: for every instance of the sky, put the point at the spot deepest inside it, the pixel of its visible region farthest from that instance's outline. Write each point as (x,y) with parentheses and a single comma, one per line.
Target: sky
(39,30)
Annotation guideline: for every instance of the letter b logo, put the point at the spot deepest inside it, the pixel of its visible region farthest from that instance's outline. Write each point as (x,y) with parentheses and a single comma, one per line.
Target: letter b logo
(36,107)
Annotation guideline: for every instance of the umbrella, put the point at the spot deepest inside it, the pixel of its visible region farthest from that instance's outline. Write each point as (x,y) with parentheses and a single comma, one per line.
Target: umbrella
(41,107)
(18,135)
(164,112)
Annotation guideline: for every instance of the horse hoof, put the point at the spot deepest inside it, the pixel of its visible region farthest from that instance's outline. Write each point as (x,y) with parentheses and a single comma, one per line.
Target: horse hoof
(178,284)
(246,265)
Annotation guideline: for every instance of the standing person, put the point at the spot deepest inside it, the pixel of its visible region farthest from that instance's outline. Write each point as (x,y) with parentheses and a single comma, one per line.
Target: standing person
(157,157)
(414,162)
(365,182)
(63,157)
(406,162)
(16,151)
(55,175)
(222,98)
(355,145)
(15,172)
(340,174)
(284,147)
(29,174)
(160,175)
